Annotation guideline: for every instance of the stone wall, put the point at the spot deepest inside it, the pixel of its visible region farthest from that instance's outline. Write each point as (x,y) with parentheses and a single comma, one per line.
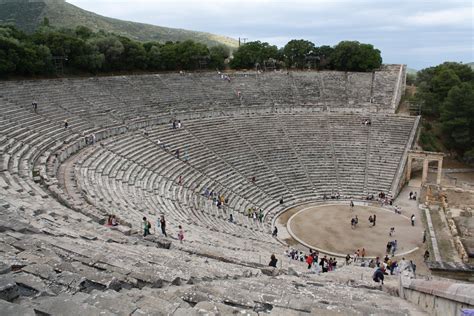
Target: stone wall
(441,298)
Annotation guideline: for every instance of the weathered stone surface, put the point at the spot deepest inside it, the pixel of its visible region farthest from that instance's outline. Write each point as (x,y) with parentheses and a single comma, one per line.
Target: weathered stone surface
(8,289)
(4,268)
(12,309)
(160,242)
(270,271)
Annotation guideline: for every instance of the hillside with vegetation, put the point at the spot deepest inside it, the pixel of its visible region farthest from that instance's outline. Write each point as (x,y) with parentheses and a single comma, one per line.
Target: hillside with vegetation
(446,96)
(28,17)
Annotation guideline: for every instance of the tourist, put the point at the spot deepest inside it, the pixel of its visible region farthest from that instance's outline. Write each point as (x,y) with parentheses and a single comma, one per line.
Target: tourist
(389,246)
(180,234)
(352,205)
(356,255)
(163,225)
(372,263)
(412,218)
(275,231)
(324,264)
(231,218)
(176,153)
(109,220)
(392,231)
(334,264)
(424,236)
(378,275)
(411,195)
(178,125)
(353,223)
(309,261)
(377,261)
(146,227)
(413,268)
(362,253)
(66,124)
(35,106)
(114,221)
(273,261)
(356,221)
(374,219)
(394,247)
(281,201)
(348,259)
(426,256)
(414,196)
(371,220)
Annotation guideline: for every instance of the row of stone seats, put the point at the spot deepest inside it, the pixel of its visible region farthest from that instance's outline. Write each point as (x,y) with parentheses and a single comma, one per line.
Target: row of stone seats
(338,153)
(111,100)
(141,164)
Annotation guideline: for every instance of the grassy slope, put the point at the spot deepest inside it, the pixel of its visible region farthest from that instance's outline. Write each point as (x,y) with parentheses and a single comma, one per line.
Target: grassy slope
(27,16)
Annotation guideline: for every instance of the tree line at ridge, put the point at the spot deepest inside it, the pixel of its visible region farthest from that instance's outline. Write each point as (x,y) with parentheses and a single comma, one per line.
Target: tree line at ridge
(81,50)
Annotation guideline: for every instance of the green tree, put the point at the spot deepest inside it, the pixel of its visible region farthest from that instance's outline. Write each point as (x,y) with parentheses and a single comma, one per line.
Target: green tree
(296,52)
(457,118)
(252,53)
(218,54)
(355,56)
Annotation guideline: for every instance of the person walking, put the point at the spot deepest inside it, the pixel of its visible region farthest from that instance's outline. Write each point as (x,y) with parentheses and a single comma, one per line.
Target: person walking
(412,218)
(374,218)
(424,236)
(352,205)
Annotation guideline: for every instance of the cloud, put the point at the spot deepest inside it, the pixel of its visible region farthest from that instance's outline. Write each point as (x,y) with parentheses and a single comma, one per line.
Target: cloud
(448,17)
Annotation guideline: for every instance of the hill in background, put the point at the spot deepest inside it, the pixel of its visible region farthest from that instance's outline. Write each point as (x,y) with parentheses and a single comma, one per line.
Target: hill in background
(27,15)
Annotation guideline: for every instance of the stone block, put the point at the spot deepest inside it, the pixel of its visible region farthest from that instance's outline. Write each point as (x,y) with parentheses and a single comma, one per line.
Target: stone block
(11,309)
(160,242)
(8,289)
(270,271)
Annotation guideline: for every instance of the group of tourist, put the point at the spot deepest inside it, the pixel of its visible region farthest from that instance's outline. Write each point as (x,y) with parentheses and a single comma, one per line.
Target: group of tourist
(253,212)
(412,195)
(175,124)
(160,224)
(354,222)
(314,261)
(392,247)
(217,199)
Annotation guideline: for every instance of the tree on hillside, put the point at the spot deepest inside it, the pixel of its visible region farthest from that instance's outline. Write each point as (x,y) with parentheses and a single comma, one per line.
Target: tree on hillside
(251,53)
(355,56)
(457,118)
(434,84)
(297,51)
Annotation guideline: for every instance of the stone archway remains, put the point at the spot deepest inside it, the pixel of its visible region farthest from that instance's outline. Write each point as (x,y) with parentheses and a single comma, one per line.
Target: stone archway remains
(427,157)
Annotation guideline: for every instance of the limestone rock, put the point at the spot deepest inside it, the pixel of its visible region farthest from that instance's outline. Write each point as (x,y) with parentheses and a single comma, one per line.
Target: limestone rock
(160,242)
(8,289)
(270,271)
(12,309)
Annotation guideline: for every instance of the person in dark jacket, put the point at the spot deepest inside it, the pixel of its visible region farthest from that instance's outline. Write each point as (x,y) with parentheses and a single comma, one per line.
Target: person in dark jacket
(378,275)
(273,261)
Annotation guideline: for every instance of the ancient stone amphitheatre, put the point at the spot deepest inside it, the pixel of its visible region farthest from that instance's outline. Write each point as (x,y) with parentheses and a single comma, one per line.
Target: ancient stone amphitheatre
(298,137)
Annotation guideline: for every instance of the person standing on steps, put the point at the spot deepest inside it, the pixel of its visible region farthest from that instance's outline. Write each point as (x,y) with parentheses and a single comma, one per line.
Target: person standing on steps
(66,124)
(163,225)
(146,227)
(273,261)
(424,236)
(180,234)
(275,231)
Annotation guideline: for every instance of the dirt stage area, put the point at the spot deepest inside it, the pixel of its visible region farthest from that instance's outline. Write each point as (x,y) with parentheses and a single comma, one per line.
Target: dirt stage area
(328,227)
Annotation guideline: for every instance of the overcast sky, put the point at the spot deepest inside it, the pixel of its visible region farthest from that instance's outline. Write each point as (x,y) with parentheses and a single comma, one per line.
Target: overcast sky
(419,33)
